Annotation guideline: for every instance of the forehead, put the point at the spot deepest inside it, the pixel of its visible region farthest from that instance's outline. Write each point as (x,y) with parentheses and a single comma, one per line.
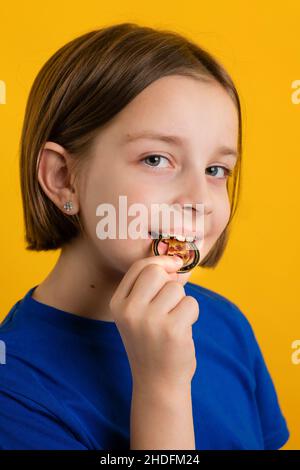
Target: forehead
(197,111)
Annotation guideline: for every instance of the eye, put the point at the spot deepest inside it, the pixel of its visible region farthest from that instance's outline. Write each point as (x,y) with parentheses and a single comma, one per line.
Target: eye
(225,170)
(154,160)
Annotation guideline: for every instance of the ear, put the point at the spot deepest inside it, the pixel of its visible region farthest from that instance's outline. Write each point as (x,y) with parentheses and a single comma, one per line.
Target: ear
(54,167)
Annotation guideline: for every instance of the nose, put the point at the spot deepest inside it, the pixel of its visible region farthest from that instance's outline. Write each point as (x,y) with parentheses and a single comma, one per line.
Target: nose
(194,191)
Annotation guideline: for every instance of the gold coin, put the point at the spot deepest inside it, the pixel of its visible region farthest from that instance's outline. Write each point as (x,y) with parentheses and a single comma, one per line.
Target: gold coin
(188,251)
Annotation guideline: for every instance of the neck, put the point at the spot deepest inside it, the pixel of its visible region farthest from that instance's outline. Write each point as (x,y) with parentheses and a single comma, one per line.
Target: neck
(78,285)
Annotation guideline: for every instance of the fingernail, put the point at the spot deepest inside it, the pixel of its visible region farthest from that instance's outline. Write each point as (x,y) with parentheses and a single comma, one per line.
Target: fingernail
(178,260)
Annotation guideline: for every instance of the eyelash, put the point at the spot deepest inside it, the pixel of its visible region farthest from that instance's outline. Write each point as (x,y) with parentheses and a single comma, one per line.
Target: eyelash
(227,170)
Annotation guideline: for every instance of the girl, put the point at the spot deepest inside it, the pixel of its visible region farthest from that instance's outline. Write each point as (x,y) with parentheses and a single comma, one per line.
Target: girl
(115,349)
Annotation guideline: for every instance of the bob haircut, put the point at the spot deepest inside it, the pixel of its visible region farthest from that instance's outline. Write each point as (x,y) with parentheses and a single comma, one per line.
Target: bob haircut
(80,88)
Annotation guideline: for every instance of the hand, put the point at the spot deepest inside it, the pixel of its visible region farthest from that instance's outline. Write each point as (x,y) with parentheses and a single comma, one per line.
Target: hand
(155,317)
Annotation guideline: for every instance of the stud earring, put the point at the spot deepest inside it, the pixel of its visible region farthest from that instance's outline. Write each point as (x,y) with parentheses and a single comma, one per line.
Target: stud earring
(68,206)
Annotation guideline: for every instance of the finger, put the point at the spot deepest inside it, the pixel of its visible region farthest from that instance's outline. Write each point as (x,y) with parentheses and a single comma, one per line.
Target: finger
(124,288)
(182,278)
(185,313)
(148,283)
(168,297)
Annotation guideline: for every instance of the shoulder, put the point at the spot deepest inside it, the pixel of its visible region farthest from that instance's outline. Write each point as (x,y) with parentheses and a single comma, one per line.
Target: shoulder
(219,308)
(222,326)
(20,368)
(223,322)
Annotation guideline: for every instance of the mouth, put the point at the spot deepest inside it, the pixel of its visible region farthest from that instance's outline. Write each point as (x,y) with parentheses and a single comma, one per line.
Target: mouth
(174,244)
(181,238)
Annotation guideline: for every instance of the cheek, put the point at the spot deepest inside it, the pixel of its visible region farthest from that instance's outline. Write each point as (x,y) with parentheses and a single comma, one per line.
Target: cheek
(114,253)
(120,254)
(97,191)
(221,216)
(217,223)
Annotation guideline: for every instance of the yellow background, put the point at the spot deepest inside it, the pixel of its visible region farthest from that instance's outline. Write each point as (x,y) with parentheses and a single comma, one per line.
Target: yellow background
(259,44)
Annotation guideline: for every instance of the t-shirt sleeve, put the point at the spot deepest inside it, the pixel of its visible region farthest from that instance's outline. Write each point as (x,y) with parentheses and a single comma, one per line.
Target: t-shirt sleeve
(274,427)
(27,425)
(273,424)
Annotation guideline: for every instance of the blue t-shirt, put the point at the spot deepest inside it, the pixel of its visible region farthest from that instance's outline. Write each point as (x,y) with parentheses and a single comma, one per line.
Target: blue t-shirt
(66,382)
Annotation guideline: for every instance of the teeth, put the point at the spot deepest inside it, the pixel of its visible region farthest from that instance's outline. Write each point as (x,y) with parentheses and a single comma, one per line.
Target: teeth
(180,238)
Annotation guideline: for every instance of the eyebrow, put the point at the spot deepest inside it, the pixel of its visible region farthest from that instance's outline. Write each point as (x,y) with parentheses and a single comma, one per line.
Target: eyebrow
(173,139)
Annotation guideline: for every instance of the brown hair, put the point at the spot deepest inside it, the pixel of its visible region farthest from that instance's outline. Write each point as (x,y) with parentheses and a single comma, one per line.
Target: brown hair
(80,88)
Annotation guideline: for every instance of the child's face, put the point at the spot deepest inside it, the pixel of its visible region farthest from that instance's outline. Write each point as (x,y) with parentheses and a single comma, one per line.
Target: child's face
(206,118)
